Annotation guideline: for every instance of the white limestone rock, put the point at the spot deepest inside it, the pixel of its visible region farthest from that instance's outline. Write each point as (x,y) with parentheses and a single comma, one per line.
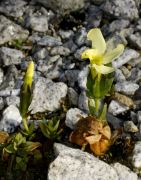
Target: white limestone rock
(73,116)
(11,118)
(74,164)
(47,95)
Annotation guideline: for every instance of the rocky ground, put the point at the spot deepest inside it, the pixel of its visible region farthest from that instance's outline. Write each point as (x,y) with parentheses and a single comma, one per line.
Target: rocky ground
(53,34)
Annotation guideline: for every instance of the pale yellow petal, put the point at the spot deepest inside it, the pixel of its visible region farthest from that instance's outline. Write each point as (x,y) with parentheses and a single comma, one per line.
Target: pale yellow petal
(103,69)
(97,39)
(89,54)
(113,54)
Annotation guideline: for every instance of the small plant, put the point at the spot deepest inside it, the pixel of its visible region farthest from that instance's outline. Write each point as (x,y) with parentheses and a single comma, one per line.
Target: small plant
(50,129)
(94,129)
(17,150)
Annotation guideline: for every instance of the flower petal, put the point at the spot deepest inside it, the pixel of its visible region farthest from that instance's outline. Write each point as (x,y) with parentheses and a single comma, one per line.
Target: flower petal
(103,69)
(113,54)
(97,39)
(89,54)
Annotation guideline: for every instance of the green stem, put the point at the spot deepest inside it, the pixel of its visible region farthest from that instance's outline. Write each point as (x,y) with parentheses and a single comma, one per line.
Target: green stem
(97,106)
(25,124)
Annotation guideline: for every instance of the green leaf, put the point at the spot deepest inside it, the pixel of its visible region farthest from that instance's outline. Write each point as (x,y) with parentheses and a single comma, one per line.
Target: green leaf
(31,128)
(9,149)
(102,88)
(90,83)
(21,163)
(31,146)
(103,113)
(19,139)
(91,104)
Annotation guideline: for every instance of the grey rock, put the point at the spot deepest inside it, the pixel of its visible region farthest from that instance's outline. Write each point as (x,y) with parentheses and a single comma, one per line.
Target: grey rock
(73,96)
(129,126)
(60,50)
(54,70)
(49,41)
(135,40)
(139,116)
(34,37)
(61,7)
(1,103)
(12,100)
(80,165)
(126,72)
(47,95)
(138,2)
(116,108)
(138,26)
(12,8)
(126,87)
(82,77)
(135,75)
(15,92)
(83,101)
(78,53)
(41,54)
(72,77)
(71,45)
(126,9)
(117,37)
(1,75)
(128,55)
(135,62)
(73,116)
(136,157)
(118,24)
(119,77)
(37,23)
(9,79)
(68,64)
(124,172)
(11,118)
(115,122)
(11,31)
(53,59)
(94,16)
(10,56)
(4,93)
(9,92)
(133,116)
(42,66)
(66,34)
(80,37)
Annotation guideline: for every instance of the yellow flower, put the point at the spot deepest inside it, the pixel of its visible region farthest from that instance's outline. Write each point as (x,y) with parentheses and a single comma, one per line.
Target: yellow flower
(97,55)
